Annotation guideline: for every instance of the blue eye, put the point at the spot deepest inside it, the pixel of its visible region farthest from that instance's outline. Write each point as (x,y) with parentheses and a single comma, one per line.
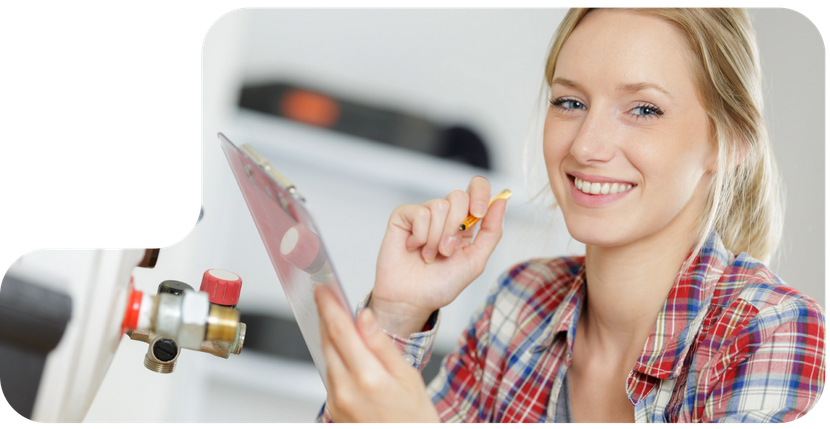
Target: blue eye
(647,110)
(568,104)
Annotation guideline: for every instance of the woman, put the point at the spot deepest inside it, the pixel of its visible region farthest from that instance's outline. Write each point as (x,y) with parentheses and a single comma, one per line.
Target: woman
(657,154)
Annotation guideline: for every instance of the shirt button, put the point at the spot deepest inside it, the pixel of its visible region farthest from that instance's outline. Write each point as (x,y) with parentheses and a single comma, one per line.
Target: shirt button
(409,358)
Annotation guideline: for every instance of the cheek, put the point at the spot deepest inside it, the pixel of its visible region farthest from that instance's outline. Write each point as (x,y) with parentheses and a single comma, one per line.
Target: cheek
(555,146)
(671,177)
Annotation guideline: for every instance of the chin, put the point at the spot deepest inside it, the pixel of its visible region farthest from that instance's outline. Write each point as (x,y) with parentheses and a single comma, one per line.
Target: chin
(590,234)
(597,241)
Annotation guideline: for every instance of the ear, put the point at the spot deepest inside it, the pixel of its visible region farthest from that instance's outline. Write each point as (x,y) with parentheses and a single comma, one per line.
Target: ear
(712,158)
(736,154)
(740,153)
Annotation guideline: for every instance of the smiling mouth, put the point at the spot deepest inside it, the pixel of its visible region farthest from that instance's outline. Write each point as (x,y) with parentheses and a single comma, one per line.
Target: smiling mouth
(600,188)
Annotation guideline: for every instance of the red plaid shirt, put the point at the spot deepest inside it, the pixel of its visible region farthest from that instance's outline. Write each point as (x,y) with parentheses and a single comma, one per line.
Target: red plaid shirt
(731,343)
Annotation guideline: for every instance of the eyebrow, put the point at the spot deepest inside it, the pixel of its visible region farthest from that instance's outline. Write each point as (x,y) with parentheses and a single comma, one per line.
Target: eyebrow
(625,87)
(566,82)
(639,86)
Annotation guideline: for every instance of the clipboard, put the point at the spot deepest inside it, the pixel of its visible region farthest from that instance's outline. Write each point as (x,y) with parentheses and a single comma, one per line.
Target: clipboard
(292,240)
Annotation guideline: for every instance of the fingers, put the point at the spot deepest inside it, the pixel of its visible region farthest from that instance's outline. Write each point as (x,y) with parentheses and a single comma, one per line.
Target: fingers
(433,226)
(459,205)
(335,368)
(438,213)
(380,343)
(394,391)
(490,233)
(479,191)
(363,365)
(417,217)
(342,344)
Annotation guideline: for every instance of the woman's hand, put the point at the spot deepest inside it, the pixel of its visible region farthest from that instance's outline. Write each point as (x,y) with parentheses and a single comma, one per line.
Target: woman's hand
(425,262)
(367,378)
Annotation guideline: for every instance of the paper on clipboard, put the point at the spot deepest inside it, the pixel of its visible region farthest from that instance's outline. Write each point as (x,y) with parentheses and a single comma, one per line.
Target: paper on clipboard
(291,239)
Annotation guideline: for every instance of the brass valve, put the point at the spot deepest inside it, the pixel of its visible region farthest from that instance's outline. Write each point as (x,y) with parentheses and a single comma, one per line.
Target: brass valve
(178,318)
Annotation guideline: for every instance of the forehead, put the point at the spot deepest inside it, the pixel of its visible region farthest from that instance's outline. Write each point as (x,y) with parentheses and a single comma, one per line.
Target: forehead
(626,46)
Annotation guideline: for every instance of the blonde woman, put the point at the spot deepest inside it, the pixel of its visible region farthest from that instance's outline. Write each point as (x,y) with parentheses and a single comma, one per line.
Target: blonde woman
(657,154)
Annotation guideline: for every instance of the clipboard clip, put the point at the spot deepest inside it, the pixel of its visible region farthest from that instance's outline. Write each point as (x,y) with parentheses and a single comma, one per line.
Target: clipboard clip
(285,184)
(266,166)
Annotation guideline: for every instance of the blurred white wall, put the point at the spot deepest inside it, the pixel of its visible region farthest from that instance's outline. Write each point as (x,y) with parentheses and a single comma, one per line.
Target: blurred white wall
(483,67)
(792,59)
(479,67)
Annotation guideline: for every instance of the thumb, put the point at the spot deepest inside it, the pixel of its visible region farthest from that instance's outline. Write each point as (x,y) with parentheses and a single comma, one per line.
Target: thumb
(379,343)
(492,227)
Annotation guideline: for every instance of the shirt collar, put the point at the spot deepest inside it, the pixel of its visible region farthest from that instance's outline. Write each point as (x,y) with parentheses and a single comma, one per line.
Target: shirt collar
(682,314)
(566,315)
(677,323)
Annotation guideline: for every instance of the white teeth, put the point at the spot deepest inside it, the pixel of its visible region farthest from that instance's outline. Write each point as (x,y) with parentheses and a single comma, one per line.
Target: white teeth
(601,188)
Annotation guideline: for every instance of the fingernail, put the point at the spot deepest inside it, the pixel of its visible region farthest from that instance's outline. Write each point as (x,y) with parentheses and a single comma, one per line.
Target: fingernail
(478,209)
(449,244)
(429,255)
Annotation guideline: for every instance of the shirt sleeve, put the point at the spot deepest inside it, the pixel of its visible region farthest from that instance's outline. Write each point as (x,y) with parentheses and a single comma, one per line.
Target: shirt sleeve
(464,390)
(774,370)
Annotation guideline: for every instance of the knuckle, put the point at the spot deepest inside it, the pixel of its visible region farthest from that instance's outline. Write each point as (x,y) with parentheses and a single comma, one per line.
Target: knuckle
(400,209)
(341,398)
(335,329)
(440,205)
(496,236)
(398,212)
(369,382)
(457,194)
(422,213)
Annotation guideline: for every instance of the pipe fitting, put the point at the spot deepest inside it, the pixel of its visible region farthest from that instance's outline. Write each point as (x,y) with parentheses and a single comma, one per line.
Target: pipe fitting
(168,314)
(222,324)
(183,317)
(194,322)
(224,349)
(178,317)
(162,355)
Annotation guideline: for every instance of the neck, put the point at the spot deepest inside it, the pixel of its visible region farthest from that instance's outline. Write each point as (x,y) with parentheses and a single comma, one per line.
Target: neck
(627,287)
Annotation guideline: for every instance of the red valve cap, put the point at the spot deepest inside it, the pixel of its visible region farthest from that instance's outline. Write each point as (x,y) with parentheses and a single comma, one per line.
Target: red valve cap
(130,322)
(222,286)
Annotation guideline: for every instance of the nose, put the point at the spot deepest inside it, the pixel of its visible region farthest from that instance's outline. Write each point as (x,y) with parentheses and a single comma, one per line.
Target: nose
(594,141)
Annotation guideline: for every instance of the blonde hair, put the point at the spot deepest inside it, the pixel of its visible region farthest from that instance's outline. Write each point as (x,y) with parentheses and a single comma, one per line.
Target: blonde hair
(744,201)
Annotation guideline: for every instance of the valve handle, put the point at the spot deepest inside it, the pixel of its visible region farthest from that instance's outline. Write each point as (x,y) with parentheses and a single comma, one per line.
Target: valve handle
(223,287)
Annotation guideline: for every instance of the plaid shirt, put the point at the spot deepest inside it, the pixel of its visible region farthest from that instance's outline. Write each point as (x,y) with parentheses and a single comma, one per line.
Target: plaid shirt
(732,343)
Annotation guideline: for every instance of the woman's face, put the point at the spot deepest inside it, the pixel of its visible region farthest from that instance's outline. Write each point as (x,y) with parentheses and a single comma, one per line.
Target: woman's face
(626,142)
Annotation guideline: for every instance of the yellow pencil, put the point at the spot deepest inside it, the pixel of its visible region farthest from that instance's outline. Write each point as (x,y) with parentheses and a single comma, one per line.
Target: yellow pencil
(472,220)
